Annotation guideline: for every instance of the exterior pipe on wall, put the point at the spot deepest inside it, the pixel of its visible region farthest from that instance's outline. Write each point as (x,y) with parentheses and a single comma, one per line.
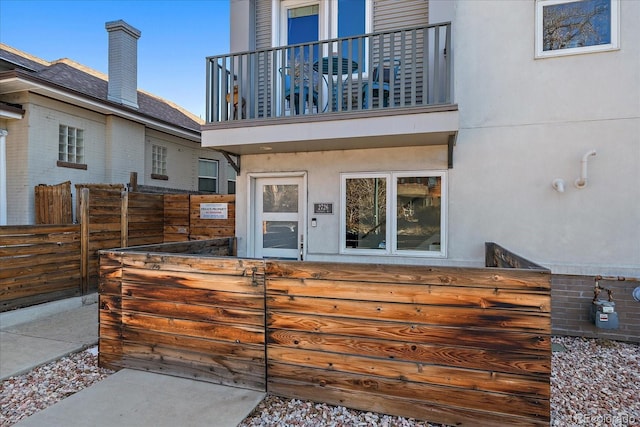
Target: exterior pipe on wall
(558,185)
(582,181)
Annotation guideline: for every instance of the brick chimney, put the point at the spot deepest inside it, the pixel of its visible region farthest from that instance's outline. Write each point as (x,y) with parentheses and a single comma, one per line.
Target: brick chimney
(123,63)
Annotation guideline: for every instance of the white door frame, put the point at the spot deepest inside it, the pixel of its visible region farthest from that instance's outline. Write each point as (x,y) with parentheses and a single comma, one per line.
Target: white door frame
(251,207)
(278,16)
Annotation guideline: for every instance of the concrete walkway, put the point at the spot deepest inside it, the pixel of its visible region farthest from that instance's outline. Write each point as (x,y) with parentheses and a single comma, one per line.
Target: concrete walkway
(40,334)
(43,333)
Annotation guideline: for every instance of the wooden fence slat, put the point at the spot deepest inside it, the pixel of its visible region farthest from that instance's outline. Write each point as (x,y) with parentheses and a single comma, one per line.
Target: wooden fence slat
(417,314)
(320,379)
(233,300)
(236,333)
(466,357)
(451,295)
(189,311)
(464,337)
(415,372)
(389,273)
(410,408)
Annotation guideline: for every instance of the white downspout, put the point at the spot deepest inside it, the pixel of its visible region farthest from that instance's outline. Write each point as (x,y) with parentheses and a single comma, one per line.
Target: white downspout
(582,181)
(3,176)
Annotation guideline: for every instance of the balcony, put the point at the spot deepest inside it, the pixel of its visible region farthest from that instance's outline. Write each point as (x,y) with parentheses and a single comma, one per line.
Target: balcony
(373,76)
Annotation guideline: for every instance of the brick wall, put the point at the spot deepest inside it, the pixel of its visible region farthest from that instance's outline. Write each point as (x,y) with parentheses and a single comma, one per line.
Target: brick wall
(571,298)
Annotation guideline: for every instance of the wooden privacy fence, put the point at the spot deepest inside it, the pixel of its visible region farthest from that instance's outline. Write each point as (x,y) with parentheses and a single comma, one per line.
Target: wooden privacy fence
(45,263)
(39,263)
(53,204)
(463,346)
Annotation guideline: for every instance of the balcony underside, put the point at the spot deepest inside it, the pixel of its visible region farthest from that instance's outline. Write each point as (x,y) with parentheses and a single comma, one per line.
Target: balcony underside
(398,127)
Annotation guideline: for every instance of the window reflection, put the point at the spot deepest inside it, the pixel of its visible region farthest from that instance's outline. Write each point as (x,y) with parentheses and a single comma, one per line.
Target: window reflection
(280,234)
(366,213)
(280,198)
(419,213)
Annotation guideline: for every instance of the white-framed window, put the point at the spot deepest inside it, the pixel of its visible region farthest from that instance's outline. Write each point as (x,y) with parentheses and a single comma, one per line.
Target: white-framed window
(299,21)
(394,213)
(231,179)
(208,175)
(567,27)
(70,145)
(158,161)
(303,21)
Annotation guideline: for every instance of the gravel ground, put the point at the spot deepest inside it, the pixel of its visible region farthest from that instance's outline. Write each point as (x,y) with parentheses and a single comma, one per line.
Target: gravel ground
(593,383)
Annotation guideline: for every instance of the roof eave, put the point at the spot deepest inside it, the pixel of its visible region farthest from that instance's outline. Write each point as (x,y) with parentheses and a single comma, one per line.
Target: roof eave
(18,81)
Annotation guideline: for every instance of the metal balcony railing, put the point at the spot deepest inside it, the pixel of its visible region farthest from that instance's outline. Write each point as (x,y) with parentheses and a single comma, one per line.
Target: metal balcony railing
(393,69)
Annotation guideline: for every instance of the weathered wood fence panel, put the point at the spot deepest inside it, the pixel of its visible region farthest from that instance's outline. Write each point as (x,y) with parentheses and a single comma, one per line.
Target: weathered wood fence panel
(462,346)
(196,318)
(145,217)
(109,218)
(497,256)
(104,217)
(176,217)
(451,345)
(53,204)
(207,228)
(38,263)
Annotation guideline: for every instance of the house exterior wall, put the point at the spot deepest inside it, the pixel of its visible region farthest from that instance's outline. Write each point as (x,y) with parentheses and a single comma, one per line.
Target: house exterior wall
(182,162)
(17,176)
(124,149)
(525,122)
(323,171)
(113,148)
(35,160)
(571,301)
(392,14)
(386,15)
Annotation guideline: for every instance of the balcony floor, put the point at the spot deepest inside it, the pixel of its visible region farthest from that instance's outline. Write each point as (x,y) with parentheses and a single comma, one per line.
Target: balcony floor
(395,127)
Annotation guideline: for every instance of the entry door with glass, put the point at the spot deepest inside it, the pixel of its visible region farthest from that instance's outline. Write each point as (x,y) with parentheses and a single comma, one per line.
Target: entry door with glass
(279,219)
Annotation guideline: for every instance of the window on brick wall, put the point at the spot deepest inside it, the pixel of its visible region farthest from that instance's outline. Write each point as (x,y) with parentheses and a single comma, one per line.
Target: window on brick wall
(231,179)
(208,175)
(71,147)
(159,162)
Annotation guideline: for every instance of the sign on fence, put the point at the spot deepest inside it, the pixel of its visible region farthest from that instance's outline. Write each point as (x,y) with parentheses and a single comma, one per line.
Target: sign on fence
(214,210)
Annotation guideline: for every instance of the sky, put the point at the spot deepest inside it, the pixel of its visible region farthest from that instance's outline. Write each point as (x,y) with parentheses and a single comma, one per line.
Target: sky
(176,38)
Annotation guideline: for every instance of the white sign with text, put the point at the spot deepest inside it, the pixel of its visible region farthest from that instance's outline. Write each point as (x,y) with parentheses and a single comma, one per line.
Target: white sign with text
(214,210)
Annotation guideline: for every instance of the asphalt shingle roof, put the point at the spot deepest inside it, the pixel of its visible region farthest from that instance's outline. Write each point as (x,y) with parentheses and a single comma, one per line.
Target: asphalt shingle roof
(78,78)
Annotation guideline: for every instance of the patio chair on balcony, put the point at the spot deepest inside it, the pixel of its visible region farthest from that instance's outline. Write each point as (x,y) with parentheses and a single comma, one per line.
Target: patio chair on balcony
(377,86)
(298,87)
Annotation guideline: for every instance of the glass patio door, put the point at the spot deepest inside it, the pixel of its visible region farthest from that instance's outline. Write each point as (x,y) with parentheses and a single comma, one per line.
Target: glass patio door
(299,24)
(278,230)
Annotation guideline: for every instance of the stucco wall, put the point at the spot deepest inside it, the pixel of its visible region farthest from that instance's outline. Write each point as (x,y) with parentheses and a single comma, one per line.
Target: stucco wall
(323,179)
(525,122)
